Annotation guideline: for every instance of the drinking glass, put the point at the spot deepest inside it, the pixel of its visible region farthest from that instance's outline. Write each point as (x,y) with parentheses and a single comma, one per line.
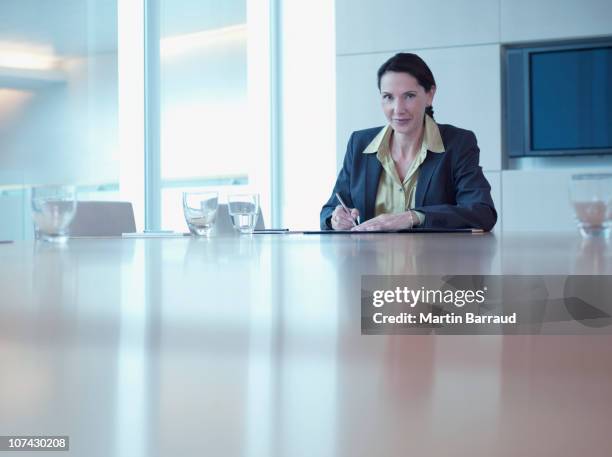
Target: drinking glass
(200,210)
(53,209)
(591,197)
(244,211)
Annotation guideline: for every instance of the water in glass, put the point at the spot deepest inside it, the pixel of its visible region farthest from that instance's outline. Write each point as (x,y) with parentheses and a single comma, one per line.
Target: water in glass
(53,210)
(200,210)
(244,211)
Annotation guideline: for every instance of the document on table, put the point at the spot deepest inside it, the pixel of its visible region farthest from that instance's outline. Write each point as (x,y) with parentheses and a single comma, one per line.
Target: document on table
(351,232)
(160,234)
(412,230)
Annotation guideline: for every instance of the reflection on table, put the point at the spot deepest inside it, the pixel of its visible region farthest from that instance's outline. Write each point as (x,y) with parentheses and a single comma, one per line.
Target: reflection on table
(251,346)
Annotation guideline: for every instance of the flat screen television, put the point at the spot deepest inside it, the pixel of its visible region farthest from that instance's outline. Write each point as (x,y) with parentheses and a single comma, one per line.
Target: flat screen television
(557,99)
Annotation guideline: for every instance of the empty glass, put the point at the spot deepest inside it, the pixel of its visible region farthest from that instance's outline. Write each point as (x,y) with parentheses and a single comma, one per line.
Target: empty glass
(200,210)
(244,211)
(53,209)
(591,197)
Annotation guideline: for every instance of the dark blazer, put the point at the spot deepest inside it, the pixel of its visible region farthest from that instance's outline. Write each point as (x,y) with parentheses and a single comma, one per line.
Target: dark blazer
(451,190)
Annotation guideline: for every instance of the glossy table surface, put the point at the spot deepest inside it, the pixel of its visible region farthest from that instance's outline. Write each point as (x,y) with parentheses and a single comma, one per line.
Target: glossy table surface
(251,346)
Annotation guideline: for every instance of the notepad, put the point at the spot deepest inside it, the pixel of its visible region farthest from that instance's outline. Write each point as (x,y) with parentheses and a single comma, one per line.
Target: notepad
(411,230)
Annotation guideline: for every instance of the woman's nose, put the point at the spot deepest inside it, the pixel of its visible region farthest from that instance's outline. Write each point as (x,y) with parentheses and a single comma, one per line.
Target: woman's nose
(399,106)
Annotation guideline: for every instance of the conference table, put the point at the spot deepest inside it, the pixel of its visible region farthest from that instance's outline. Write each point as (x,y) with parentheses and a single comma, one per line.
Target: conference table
(252,346)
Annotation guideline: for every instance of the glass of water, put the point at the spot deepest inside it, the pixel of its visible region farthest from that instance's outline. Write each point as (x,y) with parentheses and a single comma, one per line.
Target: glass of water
(591,197)
(53,209)
(200,210)
(244,211)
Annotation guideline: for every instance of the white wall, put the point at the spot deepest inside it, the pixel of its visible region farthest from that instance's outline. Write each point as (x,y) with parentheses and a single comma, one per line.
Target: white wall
(67,131)
(461,41)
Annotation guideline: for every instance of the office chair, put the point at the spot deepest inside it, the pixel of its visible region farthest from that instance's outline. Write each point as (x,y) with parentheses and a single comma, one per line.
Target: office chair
(223,224)
(99,218)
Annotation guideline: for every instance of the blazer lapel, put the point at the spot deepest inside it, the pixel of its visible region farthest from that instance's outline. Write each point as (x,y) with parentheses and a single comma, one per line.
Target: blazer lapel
(373,171)
(426,171)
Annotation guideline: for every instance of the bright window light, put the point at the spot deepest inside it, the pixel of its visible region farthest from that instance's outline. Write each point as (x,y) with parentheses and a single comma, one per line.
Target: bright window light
(130,29)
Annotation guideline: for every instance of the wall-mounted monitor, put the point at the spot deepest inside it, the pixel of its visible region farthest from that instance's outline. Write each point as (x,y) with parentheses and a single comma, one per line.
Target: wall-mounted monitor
(557,99)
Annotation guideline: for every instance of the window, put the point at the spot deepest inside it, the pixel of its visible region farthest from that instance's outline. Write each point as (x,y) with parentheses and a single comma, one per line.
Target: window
(207,125)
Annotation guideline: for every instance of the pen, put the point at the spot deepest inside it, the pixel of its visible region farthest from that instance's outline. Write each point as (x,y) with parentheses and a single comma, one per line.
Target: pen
(271,230)
(348,211)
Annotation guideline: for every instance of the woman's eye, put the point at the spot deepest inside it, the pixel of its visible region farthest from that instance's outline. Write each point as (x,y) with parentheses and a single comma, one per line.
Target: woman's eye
(409,95)
(386,97)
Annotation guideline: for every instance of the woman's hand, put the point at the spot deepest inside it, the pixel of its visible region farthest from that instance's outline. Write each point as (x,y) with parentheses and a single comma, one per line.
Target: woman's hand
(389,222)
(341,220)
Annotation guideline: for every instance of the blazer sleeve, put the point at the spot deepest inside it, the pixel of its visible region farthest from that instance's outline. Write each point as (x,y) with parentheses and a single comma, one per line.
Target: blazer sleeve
(474,206)
(342,187)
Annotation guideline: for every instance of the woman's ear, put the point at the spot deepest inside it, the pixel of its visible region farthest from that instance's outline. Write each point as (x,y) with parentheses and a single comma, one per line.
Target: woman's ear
(430,95)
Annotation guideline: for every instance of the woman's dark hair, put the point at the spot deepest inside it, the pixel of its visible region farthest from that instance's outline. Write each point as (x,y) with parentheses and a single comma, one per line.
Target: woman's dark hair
(404,62)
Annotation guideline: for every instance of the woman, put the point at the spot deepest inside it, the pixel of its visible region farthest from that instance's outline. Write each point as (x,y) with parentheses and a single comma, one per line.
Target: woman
(412,172)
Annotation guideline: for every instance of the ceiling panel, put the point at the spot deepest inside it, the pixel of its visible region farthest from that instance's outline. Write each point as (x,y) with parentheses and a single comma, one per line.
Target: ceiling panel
(70,27)
(81,27)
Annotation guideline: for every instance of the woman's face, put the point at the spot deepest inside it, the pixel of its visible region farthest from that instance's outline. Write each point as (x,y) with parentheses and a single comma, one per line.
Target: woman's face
(404,101)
